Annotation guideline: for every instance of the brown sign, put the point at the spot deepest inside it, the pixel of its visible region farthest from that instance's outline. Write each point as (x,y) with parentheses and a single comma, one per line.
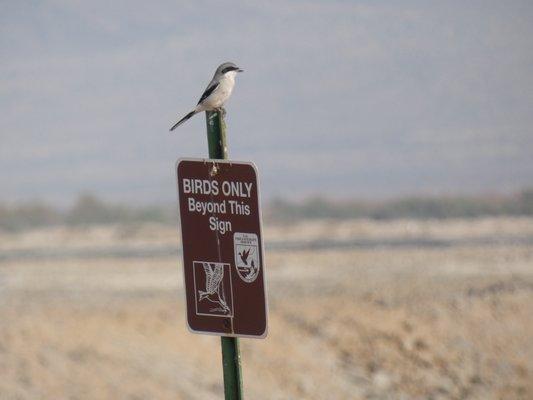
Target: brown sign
(222,247)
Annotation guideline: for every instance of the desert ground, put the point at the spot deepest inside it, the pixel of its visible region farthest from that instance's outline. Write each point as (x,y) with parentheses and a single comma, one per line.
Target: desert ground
(358,309)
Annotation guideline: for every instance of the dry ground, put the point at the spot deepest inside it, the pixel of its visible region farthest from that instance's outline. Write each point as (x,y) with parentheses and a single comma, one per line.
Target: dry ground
(406,322)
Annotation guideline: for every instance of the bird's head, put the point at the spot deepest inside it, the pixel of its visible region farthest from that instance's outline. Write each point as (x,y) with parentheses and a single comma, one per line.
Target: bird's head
(228,68)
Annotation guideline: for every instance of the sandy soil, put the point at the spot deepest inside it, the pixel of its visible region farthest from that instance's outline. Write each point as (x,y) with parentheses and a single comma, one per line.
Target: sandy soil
(409,322)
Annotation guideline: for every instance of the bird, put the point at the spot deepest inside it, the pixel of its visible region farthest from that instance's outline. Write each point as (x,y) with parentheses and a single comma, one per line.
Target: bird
(244,256)
(214,275)
(217,92)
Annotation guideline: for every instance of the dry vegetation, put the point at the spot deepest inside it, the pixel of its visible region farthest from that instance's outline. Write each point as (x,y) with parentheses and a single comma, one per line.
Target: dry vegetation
(79,319)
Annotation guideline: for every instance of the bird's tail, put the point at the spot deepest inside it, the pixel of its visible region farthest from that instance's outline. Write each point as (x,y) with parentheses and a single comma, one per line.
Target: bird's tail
(181,121)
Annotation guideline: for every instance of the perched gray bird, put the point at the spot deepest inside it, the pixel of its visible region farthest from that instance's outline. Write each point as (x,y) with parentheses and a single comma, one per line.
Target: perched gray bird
(216,93)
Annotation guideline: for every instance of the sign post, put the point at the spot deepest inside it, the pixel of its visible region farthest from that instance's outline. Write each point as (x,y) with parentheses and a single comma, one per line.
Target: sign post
(231,354)
(222,250)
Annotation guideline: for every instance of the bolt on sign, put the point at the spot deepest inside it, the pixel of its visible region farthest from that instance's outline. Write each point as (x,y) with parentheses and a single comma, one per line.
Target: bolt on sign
(222,247)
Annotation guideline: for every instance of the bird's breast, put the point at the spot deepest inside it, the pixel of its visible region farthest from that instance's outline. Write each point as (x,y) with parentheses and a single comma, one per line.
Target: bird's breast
(221,93)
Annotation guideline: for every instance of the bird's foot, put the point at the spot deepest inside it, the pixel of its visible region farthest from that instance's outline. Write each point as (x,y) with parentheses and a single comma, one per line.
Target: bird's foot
(203,294)
(221,111)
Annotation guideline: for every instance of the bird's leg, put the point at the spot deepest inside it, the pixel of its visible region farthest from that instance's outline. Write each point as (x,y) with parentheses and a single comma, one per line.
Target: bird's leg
(222,111)
(225,307)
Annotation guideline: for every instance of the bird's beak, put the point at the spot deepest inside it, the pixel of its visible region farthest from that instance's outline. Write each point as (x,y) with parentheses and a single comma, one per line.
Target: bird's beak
(240,70)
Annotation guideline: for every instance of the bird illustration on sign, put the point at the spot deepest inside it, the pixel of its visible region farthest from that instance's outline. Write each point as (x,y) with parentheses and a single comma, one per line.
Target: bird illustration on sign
(214,287)
(246,256)
(249,269)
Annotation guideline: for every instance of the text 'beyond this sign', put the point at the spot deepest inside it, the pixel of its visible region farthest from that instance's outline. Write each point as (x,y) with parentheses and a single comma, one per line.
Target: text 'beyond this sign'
(222,247)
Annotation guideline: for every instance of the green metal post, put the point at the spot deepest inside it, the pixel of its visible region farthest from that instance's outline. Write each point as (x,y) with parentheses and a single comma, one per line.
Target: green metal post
(231,357)
(231,365)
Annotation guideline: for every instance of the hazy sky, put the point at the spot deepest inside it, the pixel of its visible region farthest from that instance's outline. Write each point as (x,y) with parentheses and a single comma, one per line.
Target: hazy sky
(345,98)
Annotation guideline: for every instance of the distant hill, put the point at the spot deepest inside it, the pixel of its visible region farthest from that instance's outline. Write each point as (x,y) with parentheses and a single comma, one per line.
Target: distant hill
(89,210)
(408,207)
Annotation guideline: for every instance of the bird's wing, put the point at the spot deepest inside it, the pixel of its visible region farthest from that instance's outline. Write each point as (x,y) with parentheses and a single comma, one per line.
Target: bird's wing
(210,89)
(217,276)
(207,269)
(208,278)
